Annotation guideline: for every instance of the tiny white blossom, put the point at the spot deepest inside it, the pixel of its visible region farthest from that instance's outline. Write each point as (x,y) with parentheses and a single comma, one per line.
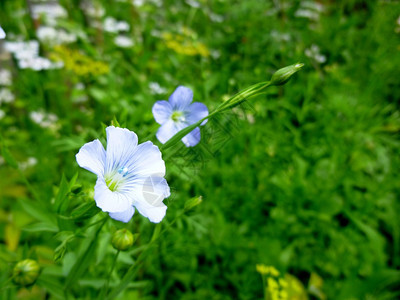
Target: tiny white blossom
(5,77)
(114,26)
(53,36)
(32,161)
(138,2)
(123,41)
(51,12)
(156,88)
(314,53)
(6,96)
(193,3)
(44,120)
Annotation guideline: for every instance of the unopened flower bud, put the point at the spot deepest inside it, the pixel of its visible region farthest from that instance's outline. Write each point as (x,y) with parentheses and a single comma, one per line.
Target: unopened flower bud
(193,202)
(283,75)
(123,239)
(26,272)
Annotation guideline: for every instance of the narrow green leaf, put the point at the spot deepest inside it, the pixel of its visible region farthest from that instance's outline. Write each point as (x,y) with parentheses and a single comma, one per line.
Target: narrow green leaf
(85,210)
(38,212)
(41,226)
(61,195)
(52,286)
(84,259)
(8,156)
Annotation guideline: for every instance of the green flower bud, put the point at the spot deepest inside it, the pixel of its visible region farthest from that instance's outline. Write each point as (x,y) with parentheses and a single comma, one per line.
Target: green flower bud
(26,272)
(193,202)
(123,239)
(283,75)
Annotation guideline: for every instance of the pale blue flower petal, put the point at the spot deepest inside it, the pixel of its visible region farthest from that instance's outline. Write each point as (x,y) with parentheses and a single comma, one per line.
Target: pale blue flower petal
(124,216)
(193,138)
(181,98)
(92,157)
(2,33)
(168,130)
(134,174)
(154,213)
(196,112)
(146,161)
(151,190)
(111,201)
(162,111)
(121,143)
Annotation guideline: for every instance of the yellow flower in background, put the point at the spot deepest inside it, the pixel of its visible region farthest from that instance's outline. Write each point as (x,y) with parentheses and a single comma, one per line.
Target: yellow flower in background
(267,270)
(278,287)
(78,63)
(185,43)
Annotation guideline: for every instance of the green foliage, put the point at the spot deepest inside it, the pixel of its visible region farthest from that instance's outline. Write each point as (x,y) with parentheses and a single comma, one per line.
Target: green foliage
(304,177)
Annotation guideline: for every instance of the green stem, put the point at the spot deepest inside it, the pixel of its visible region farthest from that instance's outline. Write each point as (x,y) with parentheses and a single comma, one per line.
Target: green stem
(105,288)
(131,273)
(240,97)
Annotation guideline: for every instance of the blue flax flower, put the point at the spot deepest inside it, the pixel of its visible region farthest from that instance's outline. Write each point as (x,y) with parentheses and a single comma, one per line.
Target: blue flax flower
(129,175)
(2,33)
(177,113)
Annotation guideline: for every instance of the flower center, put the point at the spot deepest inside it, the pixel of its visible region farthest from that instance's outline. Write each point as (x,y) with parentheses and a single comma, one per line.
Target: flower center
(115,179)
(178,116)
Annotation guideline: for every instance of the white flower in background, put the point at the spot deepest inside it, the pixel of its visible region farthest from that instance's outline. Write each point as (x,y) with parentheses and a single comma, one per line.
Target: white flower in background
(314,53)
(157,3)
(193,3)
(312,5)
(2,115)
(398,25)
(114,26)
(2,33)
(6,96)
(93,10)
(53,36)
(138,2)
(308,14)
(39,63)
(216,18)
(23,50)
(44,120)
(280,36)
(156,88)
(79,95)
(32,161)
(80,86)
(156,33)
(50,11)
(216,54)
(27,54)
(129,175)
(310,10)
(5,77)
(123,41)
(37,116)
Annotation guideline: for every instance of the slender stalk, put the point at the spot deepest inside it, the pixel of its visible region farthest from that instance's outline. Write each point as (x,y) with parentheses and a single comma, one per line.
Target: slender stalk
(132,271)
(105,288)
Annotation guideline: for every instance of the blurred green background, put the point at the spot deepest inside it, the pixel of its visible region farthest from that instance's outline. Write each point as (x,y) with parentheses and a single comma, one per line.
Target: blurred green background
(304,178)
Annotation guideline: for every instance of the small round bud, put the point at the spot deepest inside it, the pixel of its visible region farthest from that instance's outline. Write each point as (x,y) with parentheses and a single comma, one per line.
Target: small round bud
(283,75)
(26,272)
(123,239)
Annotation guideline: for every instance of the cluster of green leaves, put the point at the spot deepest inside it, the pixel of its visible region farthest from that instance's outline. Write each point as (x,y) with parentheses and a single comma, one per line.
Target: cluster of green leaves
(304,178)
